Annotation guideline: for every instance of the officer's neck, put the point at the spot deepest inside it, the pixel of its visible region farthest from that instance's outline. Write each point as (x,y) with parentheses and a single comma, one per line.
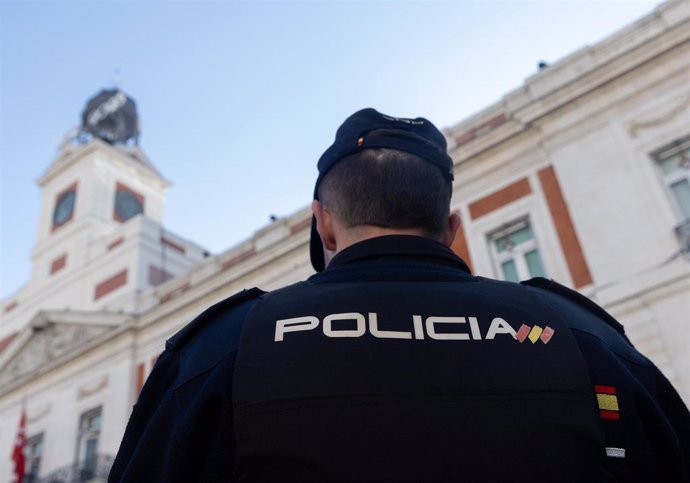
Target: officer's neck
(346,237)
(360,233)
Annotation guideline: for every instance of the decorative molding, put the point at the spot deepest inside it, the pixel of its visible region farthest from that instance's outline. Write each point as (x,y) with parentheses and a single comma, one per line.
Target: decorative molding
(37,413)
(232,261)
(115,243)
(88,390)
(635,127)
(166,242)
(480,130)
(110,284)
(7,341)
(48,342)
(58,264)
(174,293)
(11,306)
(565,228)
(300,225)
(500,198)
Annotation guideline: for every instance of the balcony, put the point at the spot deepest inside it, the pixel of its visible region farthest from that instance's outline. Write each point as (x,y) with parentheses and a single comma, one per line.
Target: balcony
(94,470)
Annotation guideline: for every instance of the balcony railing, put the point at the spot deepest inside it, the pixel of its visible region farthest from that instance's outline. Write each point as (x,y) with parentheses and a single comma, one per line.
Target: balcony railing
(94,470)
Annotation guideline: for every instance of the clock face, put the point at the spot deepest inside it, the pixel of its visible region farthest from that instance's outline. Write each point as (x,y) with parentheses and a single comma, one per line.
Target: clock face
(64,208)
(127,205)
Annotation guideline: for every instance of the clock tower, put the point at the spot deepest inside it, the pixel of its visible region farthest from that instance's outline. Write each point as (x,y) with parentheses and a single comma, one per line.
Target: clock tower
(100,239)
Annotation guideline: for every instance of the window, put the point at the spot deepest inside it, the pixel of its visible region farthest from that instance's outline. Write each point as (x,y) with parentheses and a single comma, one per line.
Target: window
(674,164)
(515,252)
(89,434)
(64,206)
(33,452)
(128,203)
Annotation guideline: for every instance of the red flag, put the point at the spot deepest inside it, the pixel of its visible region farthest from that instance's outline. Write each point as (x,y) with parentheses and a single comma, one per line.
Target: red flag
(18,453)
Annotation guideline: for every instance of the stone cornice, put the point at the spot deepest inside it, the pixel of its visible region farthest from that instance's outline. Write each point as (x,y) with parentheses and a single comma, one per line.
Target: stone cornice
(571,79)
(203,280)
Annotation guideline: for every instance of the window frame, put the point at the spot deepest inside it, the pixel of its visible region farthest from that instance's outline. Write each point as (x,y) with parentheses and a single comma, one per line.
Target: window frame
(658,156)
(517,254)
(85,434)
(123,188)
(33,459)
(72,189)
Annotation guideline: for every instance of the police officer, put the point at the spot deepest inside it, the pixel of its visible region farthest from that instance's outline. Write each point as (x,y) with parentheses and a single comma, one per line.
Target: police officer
(395,363)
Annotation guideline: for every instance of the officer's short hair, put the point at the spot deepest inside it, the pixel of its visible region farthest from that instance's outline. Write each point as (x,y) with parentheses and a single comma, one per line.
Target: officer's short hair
(388,188)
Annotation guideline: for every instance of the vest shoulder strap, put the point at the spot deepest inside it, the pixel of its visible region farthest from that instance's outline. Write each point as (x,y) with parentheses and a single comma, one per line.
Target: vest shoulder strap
(181,337)
(576,297)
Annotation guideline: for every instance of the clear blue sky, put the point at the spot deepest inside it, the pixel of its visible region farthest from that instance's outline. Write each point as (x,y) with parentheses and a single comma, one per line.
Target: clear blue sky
(237,100)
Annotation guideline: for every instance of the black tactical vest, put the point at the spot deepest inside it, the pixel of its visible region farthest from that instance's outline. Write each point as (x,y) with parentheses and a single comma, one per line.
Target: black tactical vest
(404,370)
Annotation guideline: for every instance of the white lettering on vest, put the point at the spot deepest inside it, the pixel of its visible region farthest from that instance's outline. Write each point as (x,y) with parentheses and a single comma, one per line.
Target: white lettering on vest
(499,326)
(358,332)
(300,324)
(385,334)
(294,325)
(431,330)
(418,329)
(474,328)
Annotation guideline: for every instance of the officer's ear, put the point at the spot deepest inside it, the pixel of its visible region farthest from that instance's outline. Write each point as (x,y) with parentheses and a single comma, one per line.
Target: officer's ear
(324,225)
(451,229)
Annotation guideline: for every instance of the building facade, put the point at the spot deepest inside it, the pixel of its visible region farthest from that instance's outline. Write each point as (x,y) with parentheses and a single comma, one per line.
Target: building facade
(582,175)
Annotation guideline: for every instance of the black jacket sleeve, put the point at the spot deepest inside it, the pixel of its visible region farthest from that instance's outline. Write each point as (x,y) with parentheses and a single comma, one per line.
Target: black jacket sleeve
(646,424)
(180,429)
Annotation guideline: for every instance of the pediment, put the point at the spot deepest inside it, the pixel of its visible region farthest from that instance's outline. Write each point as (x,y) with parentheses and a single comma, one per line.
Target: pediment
(51,336)
(131,155)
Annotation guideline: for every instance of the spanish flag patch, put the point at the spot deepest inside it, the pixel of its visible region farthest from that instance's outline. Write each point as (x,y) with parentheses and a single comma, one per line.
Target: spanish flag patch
(608,402)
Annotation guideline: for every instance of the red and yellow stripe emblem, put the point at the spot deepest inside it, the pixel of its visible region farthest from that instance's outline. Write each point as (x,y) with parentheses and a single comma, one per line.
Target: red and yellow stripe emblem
(608,402)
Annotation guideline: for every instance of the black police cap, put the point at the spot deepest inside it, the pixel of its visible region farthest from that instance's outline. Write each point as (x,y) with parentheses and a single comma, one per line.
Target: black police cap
(368,129)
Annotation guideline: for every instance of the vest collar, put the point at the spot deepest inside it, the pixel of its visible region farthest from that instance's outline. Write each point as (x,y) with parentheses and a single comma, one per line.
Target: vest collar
(398,247)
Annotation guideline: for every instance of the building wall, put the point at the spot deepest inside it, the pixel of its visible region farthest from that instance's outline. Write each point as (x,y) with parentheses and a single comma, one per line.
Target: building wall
(111,371)
(598,145)
(56,399)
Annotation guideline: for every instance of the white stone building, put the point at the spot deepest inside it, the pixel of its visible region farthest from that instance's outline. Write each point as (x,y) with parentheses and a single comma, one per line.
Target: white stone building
(588,166)
(582,175)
